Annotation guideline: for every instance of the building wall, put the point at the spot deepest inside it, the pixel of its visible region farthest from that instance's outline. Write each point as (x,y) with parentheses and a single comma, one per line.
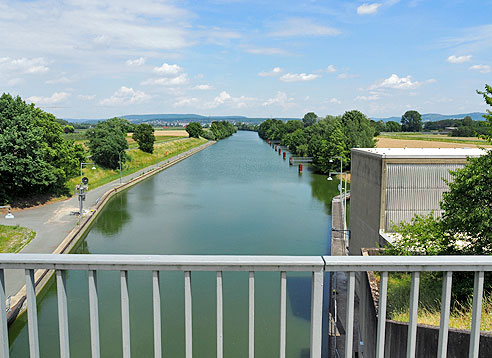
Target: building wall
(365,201)
(414,189)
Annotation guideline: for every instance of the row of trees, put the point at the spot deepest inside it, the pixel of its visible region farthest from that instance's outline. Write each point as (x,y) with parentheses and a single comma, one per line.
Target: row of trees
(35,158)
(322,139)
(107,141)
(218,130)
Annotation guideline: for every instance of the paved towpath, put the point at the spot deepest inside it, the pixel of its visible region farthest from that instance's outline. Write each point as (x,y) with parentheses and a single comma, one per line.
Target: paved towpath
(53,222)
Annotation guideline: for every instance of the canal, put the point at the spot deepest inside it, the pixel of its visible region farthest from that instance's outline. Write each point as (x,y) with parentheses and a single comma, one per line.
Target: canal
(236,197)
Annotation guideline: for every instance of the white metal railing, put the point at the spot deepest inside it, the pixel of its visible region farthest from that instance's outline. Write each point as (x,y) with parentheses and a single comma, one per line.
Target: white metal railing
(315,264)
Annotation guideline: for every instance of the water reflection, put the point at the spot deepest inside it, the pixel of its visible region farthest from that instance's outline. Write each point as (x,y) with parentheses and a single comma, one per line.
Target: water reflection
(111,225)
(324,190)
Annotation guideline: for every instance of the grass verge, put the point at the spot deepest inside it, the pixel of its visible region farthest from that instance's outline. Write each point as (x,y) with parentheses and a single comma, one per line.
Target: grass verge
(430,302)
(137,160)
(14,238)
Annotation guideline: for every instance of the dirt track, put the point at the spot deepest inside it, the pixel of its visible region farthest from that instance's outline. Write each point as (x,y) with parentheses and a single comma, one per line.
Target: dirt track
(401,143)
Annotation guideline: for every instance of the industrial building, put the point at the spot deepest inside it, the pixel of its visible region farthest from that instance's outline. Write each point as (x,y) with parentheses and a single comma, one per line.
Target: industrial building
(390,185)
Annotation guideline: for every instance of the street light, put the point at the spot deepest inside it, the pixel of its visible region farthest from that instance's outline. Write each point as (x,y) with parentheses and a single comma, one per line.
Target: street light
(81,189)
(343,201)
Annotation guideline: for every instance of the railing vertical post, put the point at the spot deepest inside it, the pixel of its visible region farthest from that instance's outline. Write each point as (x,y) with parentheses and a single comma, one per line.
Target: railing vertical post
(383,299)
(188,316)
(4,334)
(412,321)
(251,314)
(220,336)
(316,314)
(32,314)
(349,324)
(61,288)
(445,308)
(477,314)
(283,310)
(94,314)
(125,313)
(156,293)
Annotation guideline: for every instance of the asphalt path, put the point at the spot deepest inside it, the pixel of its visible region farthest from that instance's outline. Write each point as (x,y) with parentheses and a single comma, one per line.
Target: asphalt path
(53,222)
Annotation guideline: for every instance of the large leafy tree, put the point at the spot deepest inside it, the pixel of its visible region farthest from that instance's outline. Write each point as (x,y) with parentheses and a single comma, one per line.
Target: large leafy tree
(411,121)
(487,96)
(34,156)
(194,129)
(107,141)
(144,136)
(309,119)
(358,130)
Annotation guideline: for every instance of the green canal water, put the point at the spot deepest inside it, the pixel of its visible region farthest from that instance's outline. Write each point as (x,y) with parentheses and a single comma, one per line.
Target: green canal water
(236,197)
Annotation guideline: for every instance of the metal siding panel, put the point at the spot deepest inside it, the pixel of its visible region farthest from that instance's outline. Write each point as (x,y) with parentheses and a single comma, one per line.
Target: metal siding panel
(415,189)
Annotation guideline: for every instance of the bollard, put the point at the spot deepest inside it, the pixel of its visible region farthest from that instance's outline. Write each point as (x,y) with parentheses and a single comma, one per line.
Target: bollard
(279,151)
(291,161)
(284,155)
(300,168)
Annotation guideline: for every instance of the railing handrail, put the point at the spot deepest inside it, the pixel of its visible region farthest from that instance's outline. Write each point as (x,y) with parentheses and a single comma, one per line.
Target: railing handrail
(245,262)
(162,262)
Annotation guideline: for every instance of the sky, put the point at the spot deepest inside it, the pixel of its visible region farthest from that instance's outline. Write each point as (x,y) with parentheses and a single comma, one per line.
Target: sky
(99,59)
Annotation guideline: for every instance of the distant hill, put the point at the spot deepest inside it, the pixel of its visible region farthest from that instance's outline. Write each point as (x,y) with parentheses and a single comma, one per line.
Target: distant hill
(161,119)
(433,117)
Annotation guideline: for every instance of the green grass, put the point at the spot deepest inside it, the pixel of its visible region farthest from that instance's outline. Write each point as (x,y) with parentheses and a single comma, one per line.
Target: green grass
(430,302)
(14,238)
(433,138)
(158,139)
(137,160)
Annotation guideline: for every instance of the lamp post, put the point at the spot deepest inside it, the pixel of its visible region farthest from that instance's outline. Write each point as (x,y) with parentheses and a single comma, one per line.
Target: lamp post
(343,201)
(119,156)
(82,189)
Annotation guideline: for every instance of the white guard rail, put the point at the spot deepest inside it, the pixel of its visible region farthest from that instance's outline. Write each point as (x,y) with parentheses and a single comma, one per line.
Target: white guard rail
(282,264)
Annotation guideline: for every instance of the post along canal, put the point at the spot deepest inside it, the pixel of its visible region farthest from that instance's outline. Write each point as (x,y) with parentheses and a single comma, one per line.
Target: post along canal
(236,197)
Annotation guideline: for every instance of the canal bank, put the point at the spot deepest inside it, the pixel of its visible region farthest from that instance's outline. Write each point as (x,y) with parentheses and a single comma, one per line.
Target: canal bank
(237,197)
(15,289)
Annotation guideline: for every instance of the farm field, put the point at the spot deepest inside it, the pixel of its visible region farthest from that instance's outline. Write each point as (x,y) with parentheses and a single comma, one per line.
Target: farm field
(428,141)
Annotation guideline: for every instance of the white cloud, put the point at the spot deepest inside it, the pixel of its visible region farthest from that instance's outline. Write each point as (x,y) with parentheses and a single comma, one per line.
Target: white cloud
(280,99)
(221,98)
(274,72)
(167,81)
(266,51)
(480,68)
(459,59)
(235,102)
(136,62)
(372,97)
(24,65)
(346,76)
(302,27)
(124,96)
(335,101)
(394,81)
(168,70)
(203,87)
(297,77)
(54,98)
(331,69)
(367,9)
(86,97)
(185,102)
(59,80)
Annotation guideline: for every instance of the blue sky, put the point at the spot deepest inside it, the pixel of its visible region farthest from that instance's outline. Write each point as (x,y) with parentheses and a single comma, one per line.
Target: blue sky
(95,59)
